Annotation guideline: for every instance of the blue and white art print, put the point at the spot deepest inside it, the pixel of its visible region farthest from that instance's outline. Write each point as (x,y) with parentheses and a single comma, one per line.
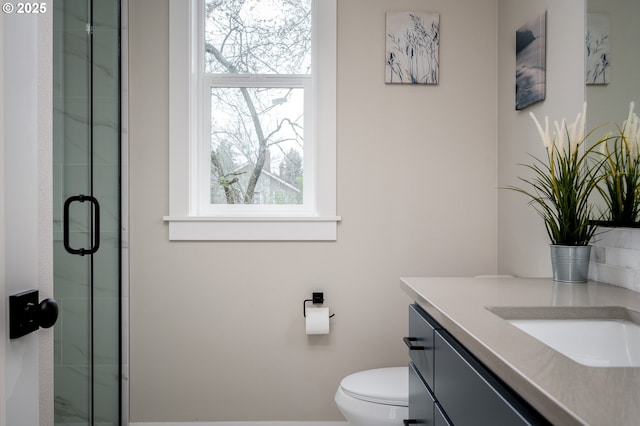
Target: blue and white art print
(597,49)
(412,48)
(531,62)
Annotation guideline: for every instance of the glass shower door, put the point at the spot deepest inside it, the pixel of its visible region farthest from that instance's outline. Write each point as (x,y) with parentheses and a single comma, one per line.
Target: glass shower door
(86,151)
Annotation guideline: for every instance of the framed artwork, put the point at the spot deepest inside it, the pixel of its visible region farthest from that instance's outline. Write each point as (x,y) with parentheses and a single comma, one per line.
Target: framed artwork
(412,48)
(597,49)
(531,62)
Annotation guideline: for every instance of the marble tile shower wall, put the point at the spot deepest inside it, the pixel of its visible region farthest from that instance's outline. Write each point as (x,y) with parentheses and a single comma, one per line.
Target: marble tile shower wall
(75,342)
(615,257)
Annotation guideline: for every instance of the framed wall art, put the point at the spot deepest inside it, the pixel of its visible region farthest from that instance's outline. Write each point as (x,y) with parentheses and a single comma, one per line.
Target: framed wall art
(597,49)
(412,48)
(531,62)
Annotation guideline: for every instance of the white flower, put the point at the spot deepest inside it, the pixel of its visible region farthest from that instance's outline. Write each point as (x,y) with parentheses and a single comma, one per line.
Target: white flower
(573,132)
(631,132)
(559,136)
(576,130)
(627,122)
(581,126)
(544,133)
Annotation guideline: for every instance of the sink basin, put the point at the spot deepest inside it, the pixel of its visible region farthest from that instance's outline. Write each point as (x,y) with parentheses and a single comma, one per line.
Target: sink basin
(596,337)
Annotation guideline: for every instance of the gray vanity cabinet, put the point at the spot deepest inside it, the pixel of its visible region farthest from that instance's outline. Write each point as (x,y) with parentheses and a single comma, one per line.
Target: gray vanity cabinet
(439,418)
(420,342)
(421,403)
(448,386)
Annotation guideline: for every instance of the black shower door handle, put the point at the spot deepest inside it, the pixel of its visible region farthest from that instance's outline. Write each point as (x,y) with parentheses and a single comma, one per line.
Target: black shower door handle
(96,224)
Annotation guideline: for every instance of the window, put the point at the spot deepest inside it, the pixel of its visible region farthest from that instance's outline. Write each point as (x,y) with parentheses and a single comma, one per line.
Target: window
(252,120)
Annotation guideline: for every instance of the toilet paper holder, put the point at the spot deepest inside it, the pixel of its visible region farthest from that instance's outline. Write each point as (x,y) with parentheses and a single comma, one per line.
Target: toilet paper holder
(317,298)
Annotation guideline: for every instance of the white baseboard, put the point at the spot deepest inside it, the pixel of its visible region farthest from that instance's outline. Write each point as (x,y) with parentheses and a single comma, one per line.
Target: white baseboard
(241,424)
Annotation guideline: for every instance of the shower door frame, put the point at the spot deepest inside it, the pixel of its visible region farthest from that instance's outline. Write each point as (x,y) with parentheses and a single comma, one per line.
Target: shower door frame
(95,25)
(32,370)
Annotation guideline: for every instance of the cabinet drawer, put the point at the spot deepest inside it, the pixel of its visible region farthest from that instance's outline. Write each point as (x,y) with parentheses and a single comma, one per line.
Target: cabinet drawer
(421,332)
(439,418)
(421,402)
(468,393)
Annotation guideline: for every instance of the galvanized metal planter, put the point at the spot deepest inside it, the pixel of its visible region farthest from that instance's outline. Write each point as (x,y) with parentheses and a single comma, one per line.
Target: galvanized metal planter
(570,264)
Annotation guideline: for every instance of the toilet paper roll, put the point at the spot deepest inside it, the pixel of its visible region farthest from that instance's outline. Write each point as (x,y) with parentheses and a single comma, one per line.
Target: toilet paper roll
(317,321)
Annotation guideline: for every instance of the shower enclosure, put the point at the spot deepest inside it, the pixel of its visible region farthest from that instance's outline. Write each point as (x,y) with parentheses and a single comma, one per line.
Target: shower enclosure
(87,212)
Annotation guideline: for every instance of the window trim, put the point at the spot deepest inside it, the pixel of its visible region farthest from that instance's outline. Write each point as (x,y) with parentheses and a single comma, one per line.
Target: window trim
(183,219)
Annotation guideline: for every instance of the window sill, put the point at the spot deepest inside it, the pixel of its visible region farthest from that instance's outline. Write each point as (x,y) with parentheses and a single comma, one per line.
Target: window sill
(250,228)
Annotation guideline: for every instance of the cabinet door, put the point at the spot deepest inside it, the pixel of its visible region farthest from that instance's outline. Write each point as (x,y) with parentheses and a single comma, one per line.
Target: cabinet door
(420,400)
(421,345)
(467,391)
(439,418)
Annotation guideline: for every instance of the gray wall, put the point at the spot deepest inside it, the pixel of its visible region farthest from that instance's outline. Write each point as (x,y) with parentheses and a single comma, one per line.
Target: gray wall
(216,328)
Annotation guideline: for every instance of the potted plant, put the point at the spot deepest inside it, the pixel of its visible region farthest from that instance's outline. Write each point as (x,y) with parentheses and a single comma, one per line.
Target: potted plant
(621,174)
(559,190)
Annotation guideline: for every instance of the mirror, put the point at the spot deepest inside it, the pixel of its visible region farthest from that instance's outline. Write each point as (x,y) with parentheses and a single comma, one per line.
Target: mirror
(609,103)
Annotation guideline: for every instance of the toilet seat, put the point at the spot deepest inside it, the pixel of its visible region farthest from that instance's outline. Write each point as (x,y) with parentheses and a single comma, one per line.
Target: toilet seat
(388,386)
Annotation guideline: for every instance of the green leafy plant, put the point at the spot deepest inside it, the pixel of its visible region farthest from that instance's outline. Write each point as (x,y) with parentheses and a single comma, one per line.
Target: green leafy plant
(621,172)
(562,185)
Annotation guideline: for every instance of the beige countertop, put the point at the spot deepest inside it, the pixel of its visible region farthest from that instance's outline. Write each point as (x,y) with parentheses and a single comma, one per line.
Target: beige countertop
(562,390)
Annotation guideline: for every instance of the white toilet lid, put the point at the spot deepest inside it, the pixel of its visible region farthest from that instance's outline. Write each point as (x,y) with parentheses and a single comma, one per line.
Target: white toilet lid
(388,386)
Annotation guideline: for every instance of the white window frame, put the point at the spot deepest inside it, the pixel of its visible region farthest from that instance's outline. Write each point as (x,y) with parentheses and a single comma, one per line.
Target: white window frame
(204,207)
(186,220)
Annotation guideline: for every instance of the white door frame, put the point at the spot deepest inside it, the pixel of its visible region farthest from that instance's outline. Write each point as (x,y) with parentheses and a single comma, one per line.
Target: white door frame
(26,228)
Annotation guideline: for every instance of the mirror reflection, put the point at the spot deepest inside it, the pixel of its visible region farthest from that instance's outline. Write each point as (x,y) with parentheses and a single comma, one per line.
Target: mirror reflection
(609,103)
(612,72)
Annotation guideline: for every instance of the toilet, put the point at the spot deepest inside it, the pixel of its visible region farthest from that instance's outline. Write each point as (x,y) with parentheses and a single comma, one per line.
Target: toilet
(378,397)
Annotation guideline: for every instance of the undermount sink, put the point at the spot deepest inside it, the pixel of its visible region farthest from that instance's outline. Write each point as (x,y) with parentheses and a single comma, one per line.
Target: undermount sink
(596,337)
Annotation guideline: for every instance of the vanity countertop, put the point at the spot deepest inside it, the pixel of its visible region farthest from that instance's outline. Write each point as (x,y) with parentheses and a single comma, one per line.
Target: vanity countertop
(562,390)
